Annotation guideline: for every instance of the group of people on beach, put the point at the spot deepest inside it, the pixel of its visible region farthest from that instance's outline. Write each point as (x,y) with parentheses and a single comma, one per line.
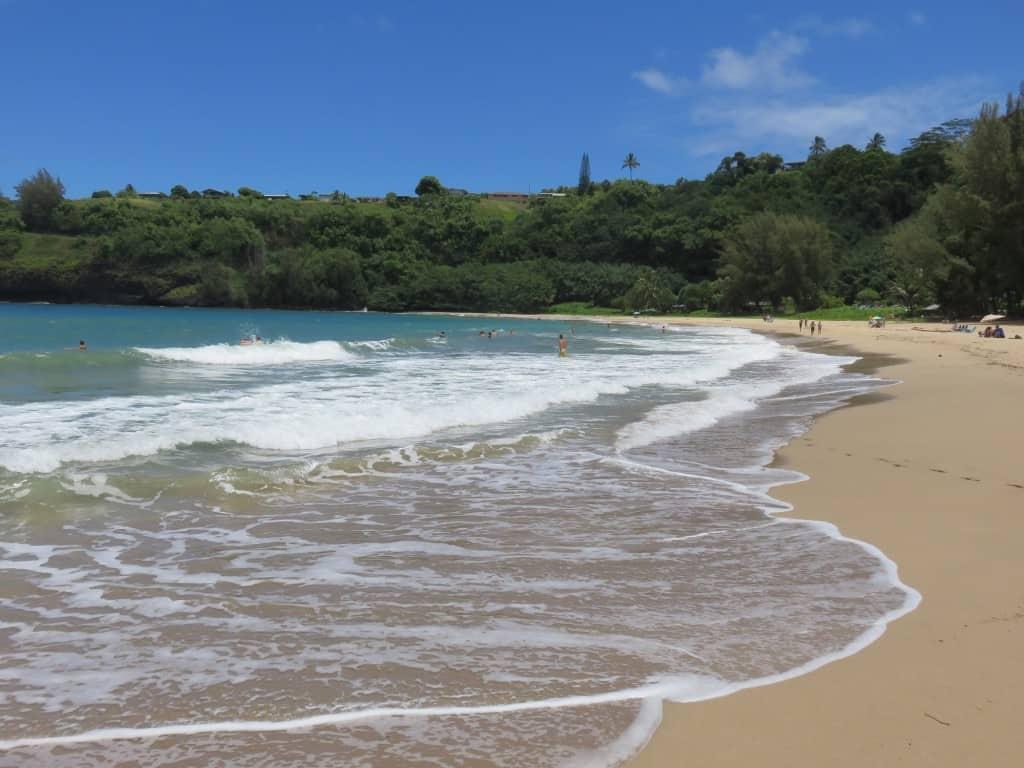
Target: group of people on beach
(814,326)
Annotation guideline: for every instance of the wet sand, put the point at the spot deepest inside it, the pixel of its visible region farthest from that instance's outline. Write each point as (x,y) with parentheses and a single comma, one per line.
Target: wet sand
(932,472)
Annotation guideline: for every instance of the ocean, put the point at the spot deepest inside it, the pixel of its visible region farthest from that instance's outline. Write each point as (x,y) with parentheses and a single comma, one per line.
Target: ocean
(401,540)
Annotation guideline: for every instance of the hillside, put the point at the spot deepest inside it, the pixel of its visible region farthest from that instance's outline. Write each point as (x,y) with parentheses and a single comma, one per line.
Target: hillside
(849,226)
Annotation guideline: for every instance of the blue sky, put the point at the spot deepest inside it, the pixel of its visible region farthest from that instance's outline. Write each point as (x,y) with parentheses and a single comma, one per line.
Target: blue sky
(367,97)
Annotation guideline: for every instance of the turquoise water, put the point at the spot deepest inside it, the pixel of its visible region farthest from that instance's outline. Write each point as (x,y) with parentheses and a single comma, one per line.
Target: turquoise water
(40,356)
(365,542)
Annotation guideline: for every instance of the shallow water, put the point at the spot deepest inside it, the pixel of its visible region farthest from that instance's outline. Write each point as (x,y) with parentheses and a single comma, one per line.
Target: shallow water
(364,544)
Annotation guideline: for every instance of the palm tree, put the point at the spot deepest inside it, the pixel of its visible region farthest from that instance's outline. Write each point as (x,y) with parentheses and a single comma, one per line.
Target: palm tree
(819,147)
(877,142)
(631,162)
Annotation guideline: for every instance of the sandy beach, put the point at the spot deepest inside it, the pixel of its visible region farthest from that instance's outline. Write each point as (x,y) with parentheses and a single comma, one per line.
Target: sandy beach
(929,471)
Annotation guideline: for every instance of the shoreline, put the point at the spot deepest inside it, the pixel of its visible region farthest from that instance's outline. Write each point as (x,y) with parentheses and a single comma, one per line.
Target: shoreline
(901,471)
(927,471)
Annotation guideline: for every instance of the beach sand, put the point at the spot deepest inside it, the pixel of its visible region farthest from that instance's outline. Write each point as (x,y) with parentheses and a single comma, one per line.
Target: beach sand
(931,471)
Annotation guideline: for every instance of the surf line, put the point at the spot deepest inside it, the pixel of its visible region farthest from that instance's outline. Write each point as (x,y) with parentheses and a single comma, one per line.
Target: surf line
(654,691)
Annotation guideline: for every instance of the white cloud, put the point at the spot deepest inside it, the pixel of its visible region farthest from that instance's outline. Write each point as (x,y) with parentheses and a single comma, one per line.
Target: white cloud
(771,65)
(658,81)
(896,112)
(917,18)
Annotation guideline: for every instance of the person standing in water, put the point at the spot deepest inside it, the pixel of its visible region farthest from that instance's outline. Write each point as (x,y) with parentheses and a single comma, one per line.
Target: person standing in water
(563,346)
(81,345)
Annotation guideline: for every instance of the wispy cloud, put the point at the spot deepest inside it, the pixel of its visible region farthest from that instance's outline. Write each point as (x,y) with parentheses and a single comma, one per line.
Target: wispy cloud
(917,18)
(852,118)
(658,81)
(771,65)
(765,96)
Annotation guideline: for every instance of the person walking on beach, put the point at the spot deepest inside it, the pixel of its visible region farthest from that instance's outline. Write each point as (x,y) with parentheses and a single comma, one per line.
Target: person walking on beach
(819,327)
(563,346)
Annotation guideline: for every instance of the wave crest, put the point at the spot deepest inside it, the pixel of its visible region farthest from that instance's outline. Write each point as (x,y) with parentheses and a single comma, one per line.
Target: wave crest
(279,352)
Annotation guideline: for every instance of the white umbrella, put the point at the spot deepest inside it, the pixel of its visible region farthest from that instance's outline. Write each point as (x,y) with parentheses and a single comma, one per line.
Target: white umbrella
(991,318)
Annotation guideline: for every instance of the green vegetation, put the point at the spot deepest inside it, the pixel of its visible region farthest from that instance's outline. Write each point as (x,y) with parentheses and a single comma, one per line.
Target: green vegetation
(940,222)
(38,198)
(853,313)
(581,308)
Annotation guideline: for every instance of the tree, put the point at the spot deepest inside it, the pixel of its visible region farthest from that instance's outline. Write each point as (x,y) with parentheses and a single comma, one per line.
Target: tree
(128,191)
(989,208)
(769,257)
(868,296)
(179,192)
(233,241)
(818,147)
(255,194)
(920,261)
(38,198)
(697,295)
(877,142)
(630,162)
(648,292)
(99,194)
(429,185)
(583,187)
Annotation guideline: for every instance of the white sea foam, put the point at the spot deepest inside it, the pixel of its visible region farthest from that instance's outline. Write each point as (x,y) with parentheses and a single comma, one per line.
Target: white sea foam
(560,573)
(393,399)
(670,688)
(376,345)
(722,401)
(266,353)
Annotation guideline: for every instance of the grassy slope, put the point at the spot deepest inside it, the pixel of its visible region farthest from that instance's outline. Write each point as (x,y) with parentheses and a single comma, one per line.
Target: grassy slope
(504,209)
(49,252)
(46,267)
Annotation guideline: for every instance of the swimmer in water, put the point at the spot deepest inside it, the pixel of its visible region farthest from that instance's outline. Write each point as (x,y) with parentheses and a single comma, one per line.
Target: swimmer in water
(81,345)
(563,346)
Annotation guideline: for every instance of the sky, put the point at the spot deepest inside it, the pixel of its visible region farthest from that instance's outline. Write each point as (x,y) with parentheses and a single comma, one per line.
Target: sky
(366,97)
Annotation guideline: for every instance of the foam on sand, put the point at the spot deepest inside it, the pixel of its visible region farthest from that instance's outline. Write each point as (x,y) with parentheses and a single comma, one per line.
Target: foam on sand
(694,683)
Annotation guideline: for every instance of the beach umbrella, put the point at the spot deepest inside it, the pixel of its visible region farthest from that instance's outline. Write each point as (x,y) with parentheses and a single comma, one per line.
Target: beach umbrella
(991,318)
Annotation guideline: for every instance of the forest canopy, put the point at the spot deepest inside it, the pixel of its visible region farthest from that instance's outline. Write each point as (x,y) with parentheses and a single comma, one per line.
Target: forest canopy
(941,221)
